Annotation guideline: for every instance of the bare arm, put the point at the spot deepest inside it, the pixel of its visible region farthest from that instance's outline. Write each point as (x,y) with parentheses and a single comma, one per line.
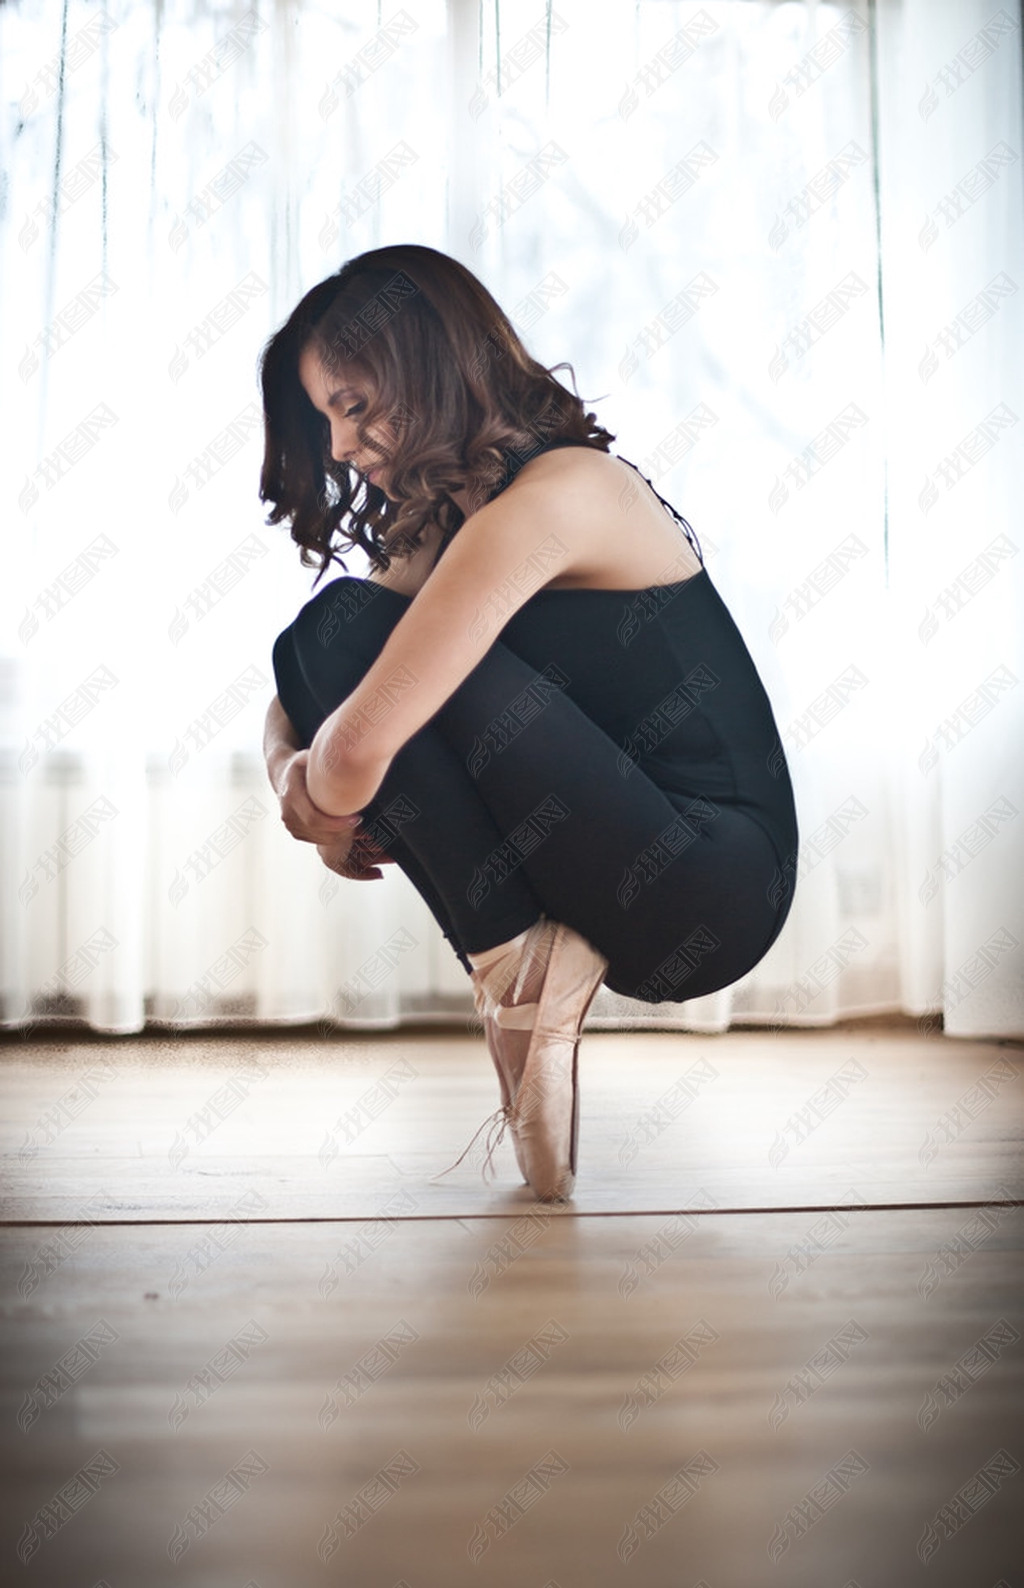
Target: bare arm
(339,845)
(280,742)
(286,768)
(502,554)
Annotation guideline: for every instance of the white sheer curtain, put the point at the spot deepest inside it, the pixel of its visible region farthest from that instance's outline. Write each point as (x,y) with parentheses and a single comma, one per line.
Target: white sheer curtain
(780,243)
(952,254)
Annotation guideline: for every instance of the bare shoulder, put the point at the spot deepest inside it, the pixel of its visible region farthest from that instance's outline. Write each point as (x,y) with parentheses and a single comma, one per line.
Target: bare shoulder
(589,513)
(584,469)
(621,537)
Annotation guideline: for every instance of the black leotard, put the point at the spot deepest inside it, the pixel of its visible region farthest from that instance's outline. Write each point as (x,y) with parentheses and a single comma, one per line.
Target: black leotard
(677,643)
(611,761)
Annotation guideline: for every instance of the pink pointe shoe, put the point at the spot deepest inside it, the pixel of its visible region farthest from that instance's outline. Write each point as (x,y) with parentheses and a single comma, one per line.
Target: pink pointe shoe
(499,1042)
(545,1113)
(535,1048)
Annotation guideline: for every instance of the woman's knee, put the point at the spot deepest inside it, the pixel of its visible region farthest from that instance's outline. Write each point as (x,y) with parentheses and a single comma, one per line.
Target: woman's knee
(282,658)
(349,614)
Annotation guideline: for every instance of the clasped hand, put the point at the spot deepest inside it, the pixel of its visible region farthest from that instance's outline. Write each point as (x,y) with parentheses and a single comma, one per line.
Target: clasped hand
(339,843)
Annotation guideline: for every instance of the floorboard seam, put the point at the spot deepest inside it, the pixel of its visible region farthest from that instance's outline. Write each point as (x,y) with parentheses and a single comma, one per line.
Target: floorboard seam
(533,1207)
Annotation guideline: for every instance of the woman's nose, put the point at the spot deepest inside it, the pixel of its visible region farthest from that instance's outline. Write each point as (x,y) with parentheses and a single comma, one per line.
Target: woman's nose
(341,450)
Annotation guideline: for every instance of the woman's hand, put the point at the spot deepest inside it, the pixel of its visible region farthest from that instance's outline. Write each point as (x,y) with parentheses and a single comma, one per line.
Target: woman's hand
(340,844)
(355,856)
(303,819)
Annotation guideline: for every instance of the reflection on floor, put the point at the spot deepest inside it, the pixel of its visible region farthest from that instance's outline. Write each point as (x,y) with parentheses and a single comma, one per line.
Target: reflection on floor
(775,1338)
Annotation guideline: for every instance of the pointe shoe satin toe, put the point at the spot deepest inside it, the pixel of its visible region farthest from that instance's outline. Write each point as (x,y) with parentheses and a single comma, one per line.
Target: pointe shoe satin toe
(535,1049)
(546,1103)
(508,1025)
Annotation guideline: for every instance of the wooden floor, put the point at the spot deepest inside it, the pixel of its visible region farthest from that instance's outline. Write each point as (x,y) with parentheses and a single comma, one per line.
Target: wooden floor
(248,1342)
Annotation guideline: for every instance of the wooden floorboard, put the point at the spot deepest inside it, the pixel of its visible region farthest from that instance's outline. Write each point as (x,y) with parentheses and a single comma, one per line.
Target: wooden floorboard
(391,1390)
(313,1129)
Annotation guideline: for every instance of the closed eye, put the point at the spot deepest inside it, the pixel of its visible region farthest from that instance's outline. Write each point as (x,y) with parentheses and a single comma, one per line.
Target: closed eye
(357,409)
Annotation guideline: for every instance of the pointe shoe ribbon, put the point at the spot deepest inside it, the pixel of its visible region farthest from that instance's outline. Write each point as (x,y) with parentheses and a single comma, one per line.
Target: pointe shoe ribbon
(500,981)
(514,1017)
(511,1017)
(545,1109)
(541,1103)
(498,1121)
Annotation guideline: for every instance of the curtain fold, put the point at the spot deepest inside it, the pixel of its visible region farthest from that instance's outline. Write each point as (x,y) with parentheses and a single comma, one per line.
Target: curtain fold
(950,122)
(781,245)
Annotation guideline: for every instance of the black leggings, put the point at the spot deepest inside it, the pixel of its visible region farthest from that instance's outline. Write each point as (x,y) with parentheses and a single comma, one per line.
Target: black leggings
(499,816)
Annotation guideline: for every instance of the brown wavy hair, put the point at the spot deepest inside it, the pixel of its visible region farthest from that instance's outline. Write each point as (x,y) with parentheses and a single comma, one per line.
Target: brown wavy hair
(443,368)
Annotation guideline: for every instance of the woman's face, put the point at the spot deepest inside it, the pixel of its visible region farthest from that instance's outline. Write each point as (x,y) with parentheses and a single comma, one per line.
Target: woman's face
(342,398)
